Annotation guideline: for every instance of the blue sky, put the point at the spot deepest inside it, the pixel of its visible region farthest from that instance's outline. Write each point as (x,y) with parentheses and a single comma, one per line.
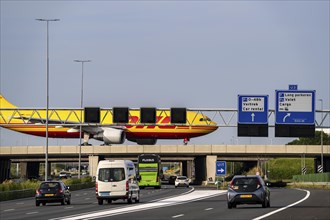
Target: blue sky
(163,53)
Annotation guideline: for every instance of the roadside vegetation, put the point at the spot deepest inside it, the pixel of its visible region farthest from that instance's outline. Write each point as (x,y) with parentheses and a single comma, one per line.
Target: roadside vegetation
(308,186)
(11,189)
(10,185)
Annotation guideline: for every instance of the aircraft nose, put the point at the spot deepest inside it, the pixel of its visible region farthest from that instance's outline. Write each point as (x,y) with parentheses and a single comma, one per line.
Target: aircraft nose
(214,126)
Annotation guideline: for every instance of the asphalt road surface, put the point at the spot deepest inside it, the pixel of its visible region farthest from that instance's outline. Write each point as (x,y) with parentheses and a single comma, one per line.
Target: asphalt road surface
(180,203)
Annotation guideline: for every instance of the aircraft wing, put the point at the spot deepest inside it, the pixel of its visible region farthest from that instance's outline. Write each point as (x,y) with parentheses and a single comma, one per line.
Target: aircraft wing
(74,126)
(41,120)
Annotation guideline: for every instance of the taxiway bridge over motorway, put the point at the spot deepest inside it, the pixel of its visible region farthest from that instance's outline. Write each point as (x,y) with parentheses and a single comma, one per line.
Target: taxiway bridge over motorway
(203,156)
(24,152)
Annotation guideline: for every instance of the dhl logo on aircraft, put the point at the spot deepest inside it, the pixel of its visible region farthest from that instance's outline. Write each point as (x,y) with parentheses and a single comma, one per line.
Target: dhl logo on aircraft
(159,120)
(25,121)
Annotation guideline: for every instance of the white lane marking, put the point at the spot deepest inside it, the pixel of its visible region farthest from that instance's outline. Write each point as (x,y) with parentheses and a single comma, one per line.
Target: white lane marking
(181,199)
(20,203)
(31,213)
(177,216)
(87,198)
(8,210)
(70,207)
(191,190)
(208,209)
(283,208)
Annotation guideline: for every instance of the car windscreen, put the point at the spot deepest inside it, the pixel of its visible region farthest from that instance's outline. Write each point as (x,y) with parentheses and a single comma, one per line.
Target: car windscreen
(49,185)
(246,184)
(181,178)
(148,169)
(111,174)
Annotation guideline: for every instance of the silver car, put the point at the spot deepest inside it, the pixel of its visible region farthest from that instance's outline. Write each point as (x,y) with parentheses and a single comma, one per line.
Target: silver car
(181,181)
(248,190)
(64,174)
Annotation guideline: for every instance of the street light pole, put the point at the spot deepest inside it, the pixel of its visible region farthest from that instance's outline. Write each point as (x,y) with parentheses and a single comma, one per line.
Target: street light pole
(321,100)
(81,106)
(47,85)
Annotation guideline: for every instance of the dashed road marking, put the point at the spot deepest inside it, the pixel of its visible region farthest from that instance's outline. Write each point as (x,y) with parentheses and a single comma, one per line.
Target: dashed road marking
(178,216)
(208,209)
(31,213)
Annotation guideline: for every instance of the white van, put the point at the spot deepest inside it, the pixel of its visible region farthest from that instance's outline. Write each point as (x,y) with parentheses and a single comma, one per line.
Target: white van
(116,179)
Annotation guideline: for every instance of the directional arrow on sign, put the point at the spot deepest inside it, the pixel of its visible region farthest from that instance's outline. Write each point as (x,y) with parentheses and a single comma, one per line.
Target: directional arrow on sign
(252,115)
(287,115)
(221,168)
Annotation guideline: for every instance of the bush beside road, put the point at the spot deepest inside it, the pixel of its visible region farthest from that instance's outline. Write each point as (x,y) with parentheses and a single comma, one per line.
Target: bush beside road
(15,190)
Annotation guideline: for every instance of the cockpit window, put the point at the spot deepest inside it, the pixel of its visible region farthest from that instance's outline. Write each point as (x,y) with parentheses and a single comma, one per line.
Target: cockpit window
(205,119)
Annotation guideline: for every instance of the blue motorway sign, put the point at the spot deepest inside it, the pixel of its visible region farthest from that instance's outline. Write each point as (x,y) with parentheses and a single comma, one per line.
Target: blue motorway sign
(253,109)
(295,107)
(221,168)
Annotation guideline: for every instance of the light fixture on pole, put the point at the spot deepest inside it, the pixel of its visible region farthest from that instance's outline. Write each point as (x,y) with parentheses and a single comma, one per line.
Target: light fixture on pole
(321,100)
(47,85)
(81,106)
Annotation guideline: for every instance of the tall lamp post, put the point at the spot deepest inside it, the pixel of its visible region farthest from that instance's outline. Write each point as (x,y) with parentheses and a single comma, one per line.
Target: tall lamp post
(47,85)
(321,100)
(81,106)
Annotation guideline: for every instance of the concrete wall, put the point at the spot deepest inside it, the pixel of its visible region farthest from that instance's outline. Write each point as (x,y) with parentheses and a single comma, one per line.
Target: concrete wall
(269,150)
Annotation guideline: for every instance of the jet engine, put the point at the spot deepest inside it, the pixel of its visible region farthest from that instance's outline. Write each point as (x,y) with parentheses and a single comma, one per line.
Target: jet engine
(111,136)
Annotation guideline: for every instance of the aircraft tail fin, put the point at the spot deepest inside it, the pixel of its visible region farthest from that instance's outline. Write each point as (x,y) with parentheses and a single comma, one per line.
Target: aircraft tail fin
(4,103)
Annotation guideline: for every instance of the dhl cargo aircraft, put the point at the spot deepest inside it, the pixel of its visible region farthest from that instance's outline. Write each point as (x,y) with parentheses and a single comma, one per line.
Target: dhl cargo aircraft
(33,122)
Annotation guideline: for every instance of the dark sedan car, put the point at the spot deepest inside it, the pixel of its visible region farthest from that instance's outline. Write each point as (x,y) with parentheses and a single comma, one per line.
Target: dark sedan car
(53,191)
(248,190)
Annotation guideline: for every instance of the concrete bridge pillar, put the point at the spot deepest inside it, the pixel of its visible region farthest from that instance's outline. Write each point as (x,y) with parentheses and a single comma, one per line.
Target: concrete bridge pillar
(93,162)
(205,168)
(184,168)
(4,169)
(30,170)
(210,167)
(200,169)
(189,168)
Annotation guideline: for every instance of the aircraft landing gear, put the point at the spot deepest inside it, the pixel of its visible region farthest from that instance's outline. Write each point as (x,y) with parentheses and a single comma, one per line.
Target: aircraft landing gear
(185,141)
(86,139)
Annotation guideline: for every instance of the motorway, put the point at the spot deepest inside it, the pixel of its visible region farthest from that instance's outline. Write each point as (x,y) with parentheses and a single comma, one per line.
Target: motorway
(181,203)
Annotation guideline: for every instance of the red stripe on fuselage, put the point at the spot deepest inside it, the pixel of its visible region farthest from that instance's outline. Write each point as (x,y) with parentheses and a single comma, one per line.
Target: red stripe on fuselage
(164,134)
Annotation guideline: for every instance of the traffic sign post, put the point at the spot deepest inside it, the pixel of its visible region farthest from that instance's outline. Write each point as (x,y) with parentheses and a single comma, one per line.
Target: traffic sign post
(295,113)
(220,170)
(252,115)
